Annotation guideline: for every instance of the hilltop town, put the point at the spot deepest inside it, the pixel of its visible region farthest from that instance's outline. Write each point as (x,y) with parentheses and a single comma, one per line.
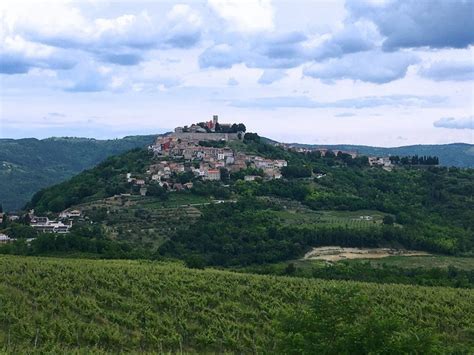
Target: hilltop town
(203,150)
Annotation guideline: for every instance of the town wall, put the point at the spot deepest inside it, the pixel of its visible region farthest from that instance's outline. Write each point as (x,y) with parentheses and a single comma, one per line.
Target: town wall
(205,136)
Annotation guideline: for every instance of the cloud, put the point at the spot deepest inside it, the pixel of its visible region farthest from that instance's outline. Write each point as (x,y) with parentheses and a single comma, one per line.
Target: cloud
(269,76)
(219,56)
(356,103)
(232,82)
(183,27)
(271,50)
(245,16)
(18,56)
(121,40)
(413,23)
(453,71)
(455,123)
(345,114)
(354,37)
(86,77)
(372,66)
(56,114)
(121,58)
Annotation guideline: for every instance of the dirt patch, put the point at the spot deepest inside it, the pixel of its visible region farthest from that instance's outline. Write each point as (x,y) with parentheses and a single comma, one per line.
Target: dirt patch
(335,253)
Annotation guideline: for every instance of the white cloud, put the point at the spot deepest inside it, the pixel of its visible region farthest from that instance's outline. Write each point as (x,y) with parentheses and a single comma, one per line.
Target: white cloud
(245,15)
(372,66)
(269,76)
(455,123)
(449,71)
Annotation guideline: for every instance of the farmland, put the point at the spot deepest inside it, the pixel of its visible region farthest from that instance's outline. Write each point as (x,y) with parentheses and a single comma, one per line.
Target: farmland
(62,305)
(147,221)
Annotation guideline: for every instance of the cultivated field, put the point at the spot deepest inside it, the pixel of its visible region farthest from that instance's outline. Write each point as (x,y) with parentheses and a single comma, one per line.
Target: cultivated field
(63,305)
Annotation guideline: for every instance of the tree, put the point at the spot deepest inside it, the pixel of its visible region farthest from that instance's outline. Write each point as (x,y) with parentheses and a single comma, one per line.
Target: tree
(290,269)
(195,262)
(251,137)
(156,190)
(225,175)
(241,127)
(388,220)
(329,154)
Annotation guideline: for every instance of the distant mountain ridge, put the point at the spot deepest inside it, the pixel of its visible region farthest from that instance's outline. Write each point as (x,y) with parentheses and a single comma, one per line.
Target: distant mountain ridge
(28,165)
(454,154)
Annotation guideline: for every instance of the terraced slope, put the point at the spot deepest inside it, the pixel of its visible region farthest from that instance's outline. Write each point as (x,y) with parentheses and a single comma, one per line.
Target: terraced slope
(61,305)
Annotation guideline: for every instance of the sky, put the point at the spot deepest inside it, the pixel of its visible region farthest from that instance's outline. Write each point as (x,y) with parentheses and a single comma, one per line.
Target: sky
(384,73)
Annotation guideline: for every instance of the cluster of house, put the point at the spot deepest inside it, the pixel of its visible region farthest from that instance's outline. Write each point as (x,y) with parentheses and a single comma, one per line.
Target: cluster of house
(202,153)
(322,151)
(61,226)
(45,225)
(383,162)
(10,217)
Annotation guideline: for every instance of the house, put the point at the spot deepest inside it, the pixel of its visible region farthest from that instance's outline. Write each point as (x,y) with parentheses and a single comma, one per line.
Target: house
(280,163)
(70,214)
(2,216)
(52,227)
(213,174)
(39,220)
(188,185)
(251,177)
(178,187)
(139,182)
(143,191)
(4,239)
(376,161)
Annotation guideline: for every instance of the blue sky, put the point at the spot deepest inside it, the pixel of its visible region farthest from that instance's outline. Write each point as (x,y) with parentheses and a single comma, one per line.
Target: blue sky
(384,73)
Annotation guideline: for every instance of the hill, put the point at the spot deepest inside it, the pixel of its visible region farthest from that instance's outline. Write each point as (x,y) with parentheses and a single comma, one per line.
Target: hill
(63,306)
(320,201)
(28,165)
(456,154)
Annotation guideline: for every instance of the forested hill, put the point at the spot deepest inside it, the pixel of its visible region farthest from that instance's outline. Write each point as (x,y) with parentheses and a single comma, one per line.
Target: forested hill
(456,154)
(28,165)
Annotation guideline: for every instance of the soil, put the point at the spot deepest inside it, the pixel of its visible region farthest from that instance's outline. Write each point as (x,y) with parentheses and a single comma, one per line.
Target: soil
(335,253)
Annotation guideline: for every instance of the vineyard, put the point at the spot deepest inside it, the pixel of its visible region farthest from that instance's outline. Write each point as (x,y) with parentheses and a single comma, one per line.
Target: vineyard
(62,305)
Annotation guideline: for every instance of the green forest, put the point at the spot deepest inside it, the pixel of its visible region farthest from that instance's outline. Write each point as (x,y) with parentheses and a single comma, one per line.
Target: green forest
(28,165)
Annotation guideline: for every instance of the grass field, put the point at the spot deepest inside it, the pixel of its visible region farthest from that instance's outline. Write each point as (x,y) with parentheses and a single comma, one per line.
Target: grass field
(62,305)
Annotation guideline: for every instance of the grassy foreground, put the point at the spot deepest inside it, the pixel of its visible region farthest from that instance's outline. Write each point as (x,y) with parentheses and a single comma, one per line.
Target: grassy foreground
(60,305)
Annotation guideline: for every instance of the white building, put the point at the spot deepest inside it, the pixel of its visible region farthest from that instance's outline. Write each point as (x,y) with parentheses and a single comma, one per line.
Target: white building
(5,239)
